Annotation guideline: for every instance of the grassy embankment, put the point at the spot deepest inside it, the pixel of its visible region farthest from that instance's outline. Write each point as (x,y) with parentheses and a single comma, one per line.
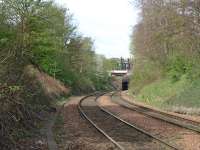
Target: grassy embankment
(182,96)
(166,60)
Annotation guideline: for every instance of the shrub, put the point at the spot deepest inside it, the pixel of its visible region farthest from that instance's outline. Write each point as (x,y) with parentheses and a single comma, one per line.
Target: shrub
(145,73)
(177,66)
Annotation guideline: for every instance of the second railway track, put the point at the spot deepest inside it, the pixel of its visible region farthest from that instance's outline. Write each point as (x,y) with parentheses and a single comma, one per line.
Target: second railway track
(174,133)
(178,121)
(121,133)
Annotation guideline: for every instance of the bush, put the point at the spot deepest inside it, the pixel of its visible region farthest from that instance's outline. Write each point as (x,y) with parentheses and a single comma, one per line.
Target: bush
(14,115)
(177,66)
(194,72)
(143,74)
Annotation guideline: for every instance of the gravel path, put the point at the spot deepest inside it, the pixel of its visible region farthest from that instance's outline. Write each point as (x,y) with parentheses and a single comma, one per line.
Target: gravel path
(184,139)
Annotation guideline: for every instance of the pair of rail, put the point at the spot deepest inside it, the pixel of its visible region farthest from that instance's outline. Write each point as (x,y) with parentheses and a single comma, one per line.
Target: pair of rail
(96,96)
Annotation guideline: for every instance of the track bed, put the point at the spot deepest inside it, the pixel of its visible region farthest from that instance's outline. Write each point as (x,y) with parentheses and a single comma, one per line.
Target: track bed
(127,137)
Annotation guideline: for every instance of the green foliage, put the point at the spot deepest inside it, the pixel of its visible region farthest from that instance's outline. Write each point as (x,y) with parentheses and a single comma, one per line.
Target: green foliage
(112,64)
(189,97)
(41,33)
(144,73)
(161,42)
(178,66)
(161,90)
(165,45)
(181,96)
(193,72)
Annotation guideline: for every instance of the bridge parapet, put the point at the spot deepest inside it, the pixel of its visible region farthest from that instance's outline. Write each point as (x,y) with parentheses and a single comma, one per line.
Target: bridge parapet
(119,72)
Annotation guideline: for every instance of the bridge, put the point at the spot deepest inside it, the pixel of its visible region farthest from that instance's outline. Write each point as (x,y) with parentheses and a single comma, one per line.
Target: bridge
(124,68)
(119,72)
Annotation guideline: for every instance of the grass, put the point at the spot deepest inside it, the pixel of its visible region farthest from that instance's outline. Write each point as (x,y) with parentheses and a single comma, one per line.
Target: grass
(190,97)
(182,96)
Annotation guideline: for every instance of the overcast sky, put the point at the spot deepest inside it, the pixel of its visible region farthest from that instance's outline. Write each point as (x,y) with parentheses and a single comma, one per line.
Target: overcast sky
(108,22)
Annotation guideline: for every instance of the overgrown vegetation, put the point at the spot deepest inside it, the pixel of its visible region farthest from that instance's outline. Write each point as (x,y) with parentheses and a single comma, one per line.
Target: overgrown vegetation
(166,45)
(40,33)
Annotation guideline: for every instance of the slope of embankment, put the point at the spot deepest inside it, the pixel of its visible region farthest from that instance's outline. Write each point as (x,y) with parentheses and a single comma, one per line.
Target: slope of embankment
(25,107)
(181,96)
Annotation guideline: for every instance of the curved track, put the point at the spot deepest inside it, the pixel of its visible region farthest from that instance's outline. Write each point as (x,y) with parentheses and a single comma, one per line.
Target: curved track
(121,133)
(169,118)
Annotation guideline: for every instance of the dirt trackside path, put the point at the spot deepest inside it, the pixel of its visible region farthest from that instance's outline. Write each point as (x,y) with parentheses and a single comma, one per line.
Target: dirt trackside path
(78,134)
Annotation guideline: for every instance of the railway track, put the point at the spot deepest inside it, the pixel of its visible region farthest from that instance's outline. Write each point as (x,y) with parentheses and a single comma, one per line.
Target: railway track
(169,118)
(122,134)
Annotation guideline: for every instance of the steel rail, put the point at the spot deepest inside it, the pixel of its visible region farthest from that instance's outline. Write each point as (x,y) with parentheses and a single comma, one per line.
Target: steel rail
(93,124)
(187,126)
(137,128)
(160,112)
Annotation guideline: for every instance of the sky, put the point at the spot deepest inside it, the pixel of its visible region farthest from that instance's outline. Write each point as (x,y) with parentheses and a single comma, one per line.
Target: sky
(108,22)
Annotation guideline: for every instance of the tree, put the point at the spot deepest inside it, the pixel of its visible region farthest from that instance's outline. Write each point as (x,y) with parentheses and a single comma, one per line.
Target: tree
(167,32)
(40,33)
